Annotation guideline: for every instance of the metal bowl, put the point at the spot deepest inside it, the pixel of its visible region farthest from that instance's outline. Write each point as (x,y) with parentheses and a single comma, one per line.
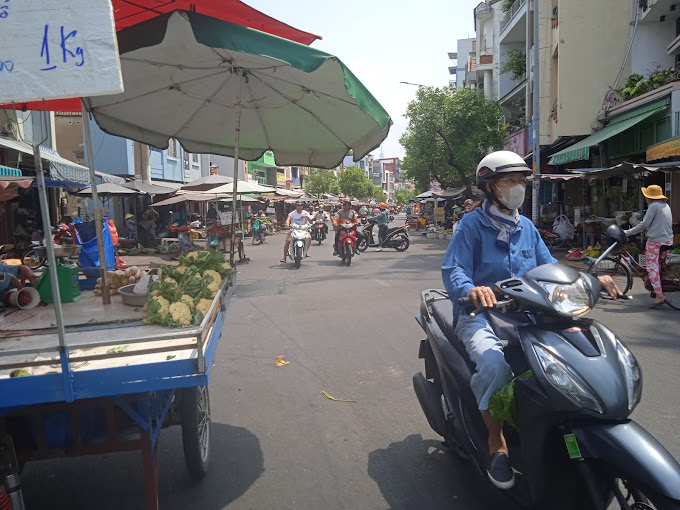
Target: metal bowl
(69,250)
(130,298)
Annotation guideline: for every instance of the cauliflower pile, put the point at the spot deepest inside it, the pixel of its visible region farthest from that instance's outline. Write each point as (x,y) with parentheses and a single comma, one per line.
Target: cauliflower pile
(183,294)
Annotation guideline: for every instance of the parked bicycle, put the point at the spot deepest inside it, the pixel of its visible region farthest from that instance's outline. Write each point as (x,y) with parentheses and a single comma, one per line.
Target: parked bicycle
(623,267)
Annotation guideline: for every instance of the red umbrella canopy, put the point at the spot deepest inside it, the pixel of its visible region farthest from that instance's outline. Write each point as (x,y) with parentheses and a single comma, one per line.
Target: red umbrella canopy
(131,12)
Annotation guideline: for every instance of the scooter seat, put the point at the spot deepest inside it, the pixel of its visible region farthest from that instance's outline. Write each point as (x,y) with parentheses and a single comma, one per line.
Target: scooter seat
(442,311)
(392,229)
(505,327)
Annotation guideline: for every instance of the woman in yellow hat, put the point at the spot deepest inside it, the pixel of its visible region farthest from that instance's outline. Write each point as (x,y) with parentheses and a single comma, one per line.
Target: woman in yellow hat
(658,222)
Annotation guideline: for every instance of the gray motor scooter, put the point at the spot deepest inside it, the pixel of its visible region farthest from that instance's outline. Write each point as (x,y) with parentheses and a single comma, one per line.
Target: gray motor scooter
(574,446)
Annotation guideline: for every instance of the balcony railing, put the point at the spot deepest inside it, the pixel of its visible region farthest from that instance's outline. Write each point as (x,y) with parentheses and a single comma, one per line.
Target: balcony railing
(511,13)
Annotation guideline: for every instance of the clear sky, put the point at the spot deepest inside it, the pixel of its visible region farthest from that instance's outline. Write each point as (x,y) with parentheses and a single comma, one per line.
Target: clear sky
(384,42)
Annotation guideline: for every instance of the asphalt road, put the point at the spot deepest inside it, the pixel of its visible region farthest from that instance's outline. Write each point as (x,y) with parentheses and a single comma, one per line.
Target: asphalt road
(278,442)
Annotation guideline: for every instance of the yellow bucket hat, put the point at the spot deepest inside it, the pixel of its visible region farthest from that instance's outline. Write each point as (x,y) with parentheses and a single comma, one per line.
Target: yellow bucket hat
(653,192)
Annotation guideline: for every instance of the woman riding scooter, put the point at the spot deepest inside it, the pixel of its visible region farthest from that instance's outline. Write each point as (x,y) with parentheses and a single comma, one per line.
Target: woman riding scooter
(492,243)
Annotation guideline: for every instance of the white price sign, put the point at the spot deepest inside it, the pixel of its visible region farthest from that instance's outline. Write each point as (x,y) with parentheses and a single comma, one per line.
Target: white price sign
(56,50)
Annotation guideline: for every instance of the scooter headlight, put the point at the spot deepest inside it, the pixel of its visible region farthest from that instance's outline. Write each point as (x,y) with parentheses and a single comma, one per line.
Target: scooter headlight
(571,299)
(633,374)
(565,381)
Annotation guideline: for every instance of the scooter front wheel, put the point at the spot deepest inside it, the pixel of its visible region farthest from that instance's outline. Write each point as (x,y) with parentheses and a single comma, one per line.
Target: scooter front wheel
(349,251)
(298,257)
(629,494)
(362,243)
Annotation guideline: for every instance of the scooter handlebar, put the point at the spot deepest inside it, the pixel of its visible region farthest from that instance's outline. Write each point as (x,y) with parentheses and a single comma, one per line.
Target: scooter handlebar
(465,301)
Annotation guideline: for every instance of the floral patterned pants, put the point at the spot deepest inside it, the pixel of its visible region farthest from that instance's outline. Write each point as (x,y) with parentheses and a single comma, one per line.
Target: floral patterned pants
(652,257)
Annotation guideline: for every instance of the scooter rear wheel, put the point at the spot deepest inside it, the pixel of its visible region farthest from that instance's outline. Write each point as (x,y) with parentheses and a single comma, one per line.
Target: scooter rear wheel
(401,243)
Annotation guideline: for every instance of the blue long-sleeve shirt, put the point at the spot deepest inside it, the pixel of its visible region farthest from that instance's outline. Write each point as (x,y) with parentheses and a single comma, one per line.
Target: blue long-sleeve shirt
(473,258)
(7,271)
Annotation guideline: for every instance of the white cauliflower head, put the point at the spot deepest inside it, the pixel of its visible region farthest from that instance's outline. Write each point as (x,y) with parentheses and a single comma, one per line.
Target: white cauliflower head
(181,269)
(188,300)
(203,306)
(180,313)
(159,306)
(216,276)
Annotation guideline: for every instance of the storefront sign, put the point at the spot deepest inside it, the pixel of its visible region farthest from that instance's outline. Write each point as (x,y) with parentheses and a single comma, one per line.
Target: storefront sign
(53,50)
(664,150)
(280,178)
(439,214)
(517,142)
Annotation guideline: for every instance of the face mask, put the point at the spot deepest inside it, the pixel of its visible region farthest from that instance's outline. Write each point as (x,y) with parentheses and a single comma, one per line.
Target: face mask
(512,198)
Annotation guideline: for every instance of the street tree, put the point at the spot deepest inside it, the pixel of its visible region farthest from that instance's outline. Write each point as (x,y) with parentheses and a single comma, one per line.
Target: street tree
(353,182)
(404,195)
(379,194)
(448,133)
(320,181)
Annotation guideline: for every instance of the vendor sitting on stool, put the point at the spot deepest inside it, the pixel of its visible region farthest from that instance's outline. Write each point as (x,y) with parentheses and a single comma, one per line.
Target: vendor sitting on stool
(15,276)
(185,240)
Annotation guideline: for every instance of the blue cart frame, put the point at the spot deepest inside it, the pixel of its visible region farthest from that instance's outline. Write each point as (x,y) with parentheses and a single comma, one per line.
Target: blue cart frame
(148,396)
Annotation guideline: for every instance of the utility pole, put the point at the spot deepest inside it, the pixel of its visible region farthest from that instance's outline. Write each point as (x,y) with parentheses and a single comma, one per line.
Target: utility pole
(536,122)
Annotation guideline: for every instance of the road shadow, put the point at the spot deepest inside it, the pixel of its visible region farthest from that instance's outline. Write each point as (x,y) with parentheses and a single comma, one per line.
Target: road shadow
(115,481)
(420,474)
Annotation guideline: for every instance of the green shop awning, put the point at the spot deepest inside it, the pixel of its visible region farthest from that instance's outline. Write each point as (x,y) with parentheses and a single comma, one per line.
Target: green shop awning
(581,150)
(13,172)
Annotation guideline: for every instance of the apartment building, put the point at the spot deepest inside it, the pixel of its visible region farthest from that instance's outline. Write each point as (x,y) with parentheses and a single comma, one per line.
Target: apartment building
(463,64)
(582,48)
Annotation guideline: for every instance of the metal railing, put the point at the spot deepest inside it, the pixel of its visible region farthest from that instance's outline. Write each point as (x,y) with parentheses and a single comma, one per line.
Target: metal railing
(511,13)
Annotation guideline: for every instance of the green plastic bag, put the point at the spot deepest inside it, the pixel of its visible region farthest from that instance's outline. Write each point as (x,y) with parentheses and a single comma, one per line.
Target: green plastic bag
(502,403)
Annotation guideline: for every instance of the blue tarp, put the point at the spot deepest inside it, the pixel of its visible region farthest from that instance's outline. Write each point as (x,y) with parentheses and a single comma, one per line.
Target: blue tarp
(89,255)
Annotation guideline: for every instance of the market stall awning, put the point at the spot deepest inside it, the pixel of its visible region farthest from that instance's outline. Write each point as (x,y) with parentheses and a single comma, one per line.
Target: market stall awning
(60,169)
(12,172)
(7,180)
(244,187)
(148,188)
(427,194)
(110,189)
(581,150)
(627,170)
(189,197)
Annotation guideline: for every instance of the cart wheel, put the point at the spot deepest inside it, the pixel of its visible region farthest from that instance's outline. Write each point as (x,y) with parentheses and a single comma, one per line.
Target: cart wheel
(195,419)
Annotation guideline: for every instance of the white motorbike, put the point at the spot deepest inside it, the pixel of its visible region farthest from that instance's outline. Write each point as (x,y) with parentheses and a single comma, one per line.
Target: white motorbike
(297,250)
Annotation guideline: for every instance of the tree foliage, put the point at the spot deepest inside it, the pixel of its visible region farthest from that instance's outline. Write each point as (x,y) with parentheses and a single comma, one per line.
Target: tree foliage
(449,132)
(379,194)
(353,182)
(320,181)
(404,195)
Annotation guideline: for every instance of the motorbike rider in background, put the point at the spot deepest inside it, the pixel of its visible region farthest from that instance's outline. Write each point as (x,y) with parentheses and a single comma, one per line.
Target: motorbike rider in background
(343,215)
(381,219)
(300,217)
(321,216)
(492,243)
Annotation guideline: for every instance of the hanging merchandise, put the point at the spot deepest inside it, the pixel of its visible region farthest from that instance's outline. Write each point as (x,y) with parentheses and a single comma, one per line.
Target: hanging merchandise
(563,227)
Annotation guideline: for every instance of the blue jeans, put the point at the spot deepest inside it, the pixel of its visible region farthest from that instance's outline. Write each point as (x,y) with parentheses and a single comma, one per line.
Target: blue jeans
(486,352)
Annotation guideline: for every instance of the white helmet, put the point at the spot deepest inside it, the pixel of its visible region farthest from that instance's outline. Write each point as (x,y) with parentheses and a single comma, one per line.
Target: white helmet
(500,162)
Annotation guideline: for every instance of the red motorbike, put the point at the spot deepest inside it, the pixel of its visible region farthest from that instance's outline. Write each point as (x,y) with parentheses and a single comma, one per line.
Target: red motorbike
(347,242)
(64,234)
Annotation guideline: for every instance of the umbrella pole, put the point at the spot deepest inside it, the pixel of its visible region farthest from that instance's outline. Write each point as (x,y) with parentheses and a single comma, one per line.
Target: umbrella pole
(106,295)
(235,188)
(52,270)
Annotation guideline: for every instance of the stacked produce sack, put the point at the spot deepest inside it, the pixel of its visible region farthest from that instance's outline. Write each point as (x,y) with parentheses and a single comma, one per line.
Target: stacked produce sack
(120,278)
(183,294)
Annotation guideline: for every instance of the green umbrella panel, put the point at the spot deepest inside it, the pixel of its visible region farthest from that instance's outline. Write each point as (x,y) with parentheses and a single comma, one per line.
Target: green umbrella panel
(208,83)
